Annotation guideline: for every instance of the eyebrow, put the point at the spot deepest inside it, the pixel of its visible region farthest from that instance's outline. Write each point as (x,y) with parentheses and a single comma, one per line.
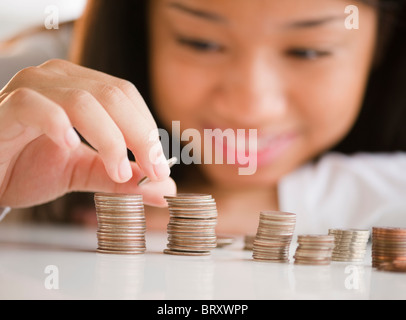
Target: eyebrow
(312,23)
(301,24)
(197,12)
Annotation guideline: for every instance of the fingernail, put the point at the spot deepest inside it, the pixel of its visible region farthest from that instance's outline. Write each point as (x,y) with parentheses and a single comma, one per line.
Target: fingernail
(162,170)
(125,171)
(72,139)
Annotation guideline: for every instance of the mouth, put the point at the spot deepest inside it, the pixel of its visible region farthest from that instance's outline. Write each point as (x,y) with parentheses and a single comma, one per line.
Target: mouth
(252,145)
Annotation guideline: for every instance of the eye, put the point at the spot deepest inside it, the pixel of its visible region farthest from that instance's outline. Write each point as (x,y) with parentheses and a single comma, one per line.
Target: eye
(307,54)
(200,45)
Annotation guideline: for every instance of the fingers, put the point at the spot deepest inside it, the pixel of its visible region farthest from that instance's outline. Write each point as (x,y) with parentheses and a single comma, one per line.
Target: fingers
(89,176)
(111,115)
(70,69)
(97,127)
(139,134)
(130,115)
(126,106)
(25,114)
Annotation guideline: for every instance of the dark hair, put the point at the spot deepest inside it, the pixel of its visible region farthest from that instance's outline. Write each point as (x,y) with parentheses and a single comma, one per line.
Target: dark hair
(380,126)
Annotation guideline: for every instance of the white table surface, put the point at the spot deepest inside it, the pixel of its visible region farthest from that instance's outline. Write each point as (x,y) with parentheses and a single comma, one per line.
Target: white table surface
(229,273)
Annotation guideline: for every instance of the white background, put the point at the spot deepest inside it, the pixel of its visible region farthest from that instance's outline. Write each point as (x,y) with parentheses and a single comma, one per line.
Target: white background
(17,15)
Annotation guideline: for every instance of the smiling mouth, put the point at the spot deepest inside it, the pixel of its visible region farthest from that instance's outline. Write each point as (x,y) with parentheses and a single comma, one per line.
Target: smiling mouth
(263,148)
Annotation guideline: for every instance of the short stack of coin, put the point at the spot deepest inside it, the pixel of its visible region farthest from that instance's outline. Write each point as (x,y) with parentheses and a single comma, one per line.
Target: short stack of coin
(224,241)
(192,223)
(274,236)
(388,245)
(350,244)
(121,223)
(314,249)
(249,241)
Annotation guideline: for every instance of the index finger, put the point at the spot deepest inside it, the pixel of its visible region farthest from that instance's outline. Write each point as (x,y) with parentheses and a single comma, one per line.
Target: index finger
(70,69)
(125,105)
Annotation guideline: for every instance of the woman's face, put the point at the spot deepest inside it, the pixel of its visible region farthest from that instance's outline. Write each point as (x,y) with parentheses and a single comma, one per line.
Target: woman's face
(290,69)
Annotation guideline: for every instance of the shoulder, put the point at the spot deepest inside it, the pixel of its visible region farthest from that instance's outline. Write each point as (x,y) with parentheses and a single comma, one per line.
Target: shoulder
(360,164)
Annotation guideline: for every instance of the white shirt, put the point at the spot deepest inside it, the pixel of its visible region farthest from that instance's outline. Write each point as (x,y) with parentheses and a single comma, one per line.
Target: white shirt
(360,191)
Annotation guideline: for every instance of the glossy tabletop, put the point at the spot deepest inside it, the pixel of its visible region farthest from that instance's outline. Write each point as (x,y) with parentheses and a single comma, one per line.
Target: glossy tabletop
(49,262)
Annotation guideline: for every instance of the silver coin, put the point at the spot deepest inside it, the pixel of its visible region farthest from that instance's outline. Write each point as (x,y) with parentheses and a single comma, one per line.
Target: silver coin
(188,196)
(192,223)
(223,241)
(186,253)
(120,252)
(191,227)
(171,163)
(121,246)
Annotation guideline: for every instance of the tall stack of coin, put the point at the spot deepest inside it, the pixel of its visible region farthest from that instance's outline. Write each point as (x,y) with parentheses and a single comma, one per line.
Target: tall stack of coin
(388,245)
(192,223)
(121,223)
(350,244)
(274,236)
(314,249)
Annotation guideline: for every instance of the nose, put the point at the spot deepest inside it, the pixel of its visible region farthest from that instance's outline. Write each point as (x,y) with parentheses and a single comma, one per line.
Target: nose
(252,90)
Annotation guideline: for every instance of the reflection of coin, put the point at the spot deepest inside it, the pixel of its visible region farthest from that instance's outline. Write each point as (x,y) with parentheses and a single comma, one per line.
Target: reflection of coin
(192,222)
(394,266)
(121,223)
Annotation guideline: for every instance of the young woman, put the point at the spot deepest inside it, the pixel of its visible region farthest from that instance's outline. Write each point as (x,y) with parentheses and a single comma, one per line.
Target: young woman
(327,101)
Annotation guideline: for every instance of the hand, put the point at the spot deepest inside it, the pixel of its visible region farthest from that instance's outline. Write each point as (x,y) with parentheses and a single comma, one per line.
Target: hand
(41,155)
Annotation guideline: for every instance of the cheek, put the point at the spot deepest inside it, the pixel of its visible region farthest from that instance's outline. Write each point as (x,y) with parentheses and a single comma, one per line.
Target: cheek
(333,101)
(336,91)
(181,91)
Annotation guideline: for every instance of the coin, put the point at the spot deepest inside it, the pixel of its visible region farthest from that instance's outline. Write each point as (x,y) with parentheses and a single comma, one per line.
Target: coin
(192,223)
(274,235)
(120,252)
(189,196)
(314,249)
(121,223)
(350,244)
(248,241)
(186,253)
(388,245)
(171,163)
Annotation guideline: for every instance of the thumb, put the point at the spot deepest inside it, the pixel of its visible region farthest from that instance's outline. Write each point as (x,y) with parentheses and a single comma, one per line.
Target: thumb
(90,175)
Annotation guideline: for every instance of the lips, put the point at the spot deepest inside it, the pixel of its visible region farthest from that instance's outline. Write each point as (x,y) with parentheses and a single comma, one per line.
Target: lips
(275,148)
(262,147)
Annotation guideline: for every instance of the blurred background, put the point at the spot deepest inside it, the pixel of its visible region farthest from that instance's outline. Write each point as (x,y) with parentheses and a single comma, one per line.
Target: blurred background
(18,15)
(25,40)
